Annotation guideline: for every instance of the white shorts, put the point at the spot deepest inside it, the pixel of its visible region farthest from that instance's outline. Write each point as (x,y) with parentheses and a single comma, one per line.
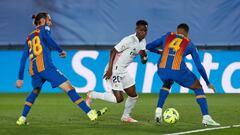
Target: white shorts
(119,82)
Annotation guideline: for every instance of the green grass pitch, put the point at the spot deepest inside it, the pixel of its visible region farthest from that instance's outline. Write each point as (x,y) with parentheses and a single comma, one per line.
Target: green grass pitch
(56,114)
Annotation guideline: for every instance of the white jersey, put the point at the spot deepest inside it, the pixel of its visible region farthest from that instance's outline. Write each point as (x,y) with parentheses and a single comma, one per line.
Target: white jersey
(128,48)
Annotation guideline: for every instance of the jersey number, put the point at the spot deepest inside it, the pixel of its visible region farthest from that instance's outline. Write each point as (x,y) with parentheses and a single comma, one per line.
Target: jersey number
(35,45)
(175,44)
(116,79)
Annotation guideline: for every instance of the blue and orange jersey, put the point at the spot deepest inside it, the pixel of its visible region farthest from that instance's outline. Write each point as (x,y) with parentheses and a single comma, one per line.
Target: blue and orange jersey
(38,48)
(175,48)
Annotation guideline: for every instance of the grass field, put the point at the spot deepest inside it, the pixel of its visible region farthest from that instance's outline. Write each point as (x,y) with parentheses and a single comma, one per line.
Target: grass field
(56,114)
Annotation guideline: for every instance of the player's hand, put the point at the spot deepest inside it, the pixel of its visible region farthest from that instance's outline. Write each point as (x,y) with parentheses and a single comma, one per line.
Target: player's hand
(63,54)
(212,87)
(108,74)
(19,83)
(143,53)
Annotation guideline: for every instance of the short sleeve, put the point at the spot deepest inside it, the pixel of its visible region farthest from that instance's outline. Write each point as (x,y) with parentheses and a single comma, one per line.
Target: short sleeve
(123,44)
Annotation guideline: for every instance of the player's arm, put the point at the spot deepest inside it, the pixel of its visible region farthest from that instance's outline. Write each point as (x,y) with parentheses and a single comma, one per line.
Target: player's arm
(200,67)
(108,74)
(155,45)
(52,43)
(121,46)
(25,54)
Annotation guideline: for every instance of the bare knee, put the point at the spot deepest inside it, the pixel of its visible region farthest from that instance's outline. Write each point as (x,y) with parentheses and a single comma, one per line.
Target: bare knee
(119,98)
(36,91)
(66,86)
(196,85)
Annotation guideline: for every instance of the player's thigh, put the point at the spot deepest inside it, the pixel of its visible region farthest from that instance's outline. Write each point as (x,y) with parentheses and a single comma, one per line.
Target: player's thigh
(37,83)
(185,78)
(165,76)
(128,82)
(54,76)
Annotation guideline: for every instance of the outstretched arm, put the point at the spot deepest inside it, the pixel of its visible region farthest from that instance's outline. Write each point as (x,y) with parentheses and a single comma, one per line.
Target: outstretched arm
(154,46)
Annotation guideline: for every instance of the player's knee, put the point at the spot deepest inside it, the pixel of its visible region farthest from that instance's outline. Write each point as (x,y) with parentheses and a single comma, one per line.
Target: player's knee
(167,85)
(66,86)
(196,85)
(36,91)
(119,99)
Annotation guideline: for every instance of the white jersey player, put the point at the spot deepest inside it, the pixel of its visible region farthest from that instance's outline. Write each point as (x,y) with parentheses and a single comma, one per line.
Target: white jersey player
(117,76)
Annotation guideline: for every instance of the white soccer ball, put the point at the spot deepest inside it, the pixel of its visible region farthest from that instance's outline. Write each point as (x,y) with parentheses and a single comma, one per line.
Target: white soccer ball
(170,116)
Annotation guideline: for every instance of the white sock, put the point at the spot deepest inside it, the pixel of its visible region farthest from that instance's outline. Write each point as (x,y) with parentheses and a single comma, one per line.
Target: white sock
(106,96)
(129,104)
(206,116)
(158,112)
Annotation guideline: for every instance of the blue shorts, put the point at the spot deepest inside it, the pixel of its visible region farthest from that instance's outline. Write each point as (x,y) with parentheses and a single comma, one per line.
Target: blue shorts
(53,75)
(183,77)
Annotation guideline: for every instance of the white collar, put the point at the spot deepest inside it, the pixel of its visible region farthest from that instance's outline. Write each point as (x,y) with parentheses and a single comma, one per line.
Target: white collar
(135,36)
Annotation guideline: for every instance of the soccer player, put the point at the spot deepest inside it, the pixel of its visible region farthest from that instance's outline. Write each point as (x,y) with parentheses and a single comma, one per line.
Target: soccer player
(38,48)
(172,68)
(117,76)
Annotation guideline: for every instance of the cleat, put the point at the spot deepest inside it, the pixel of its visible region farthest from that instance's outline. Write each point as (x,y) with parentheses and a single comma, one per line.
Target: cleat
(89,99)
(158,120)
(128,119)
(208,121)
(158,116)
(92,115)
(102,111)
(22,121)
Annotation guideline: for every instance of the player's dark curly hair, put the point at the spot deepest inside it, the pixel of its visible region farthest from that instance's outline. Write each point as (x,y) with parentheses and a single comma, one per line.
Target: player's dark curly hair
(38,17)
(183,26)
(141,22)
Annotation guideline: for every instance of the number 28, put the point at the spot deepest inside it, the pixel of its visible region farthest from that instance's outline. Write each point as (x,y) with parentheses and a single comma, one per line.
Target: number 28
(35,45)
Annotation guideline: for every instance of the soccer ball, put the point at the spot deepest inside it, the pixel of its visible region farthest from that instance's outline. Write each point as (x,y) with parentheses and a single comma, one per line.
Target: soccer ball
(170,116)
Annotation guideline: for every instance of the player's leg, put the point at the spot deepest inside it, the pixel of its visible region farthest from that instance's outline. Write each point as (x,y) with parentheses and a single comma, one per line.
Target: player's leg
(37,83)
(113,94)
(189,80)
(108,96)
(202,101)
(164,75)
(129,87)
(129,104)
(57,79)
(164,92)
(78,100)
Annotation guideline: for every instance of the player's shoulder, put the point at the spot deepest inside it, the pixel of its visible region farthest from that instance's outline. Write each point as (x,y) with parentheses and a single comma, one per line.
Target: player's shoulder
(45,28)
(128,39)
(168,34)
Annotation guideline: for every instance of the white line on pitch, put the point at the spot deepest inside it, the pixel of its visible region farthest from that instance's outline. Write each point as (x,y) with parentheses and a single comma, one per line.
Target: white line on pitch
(202,130)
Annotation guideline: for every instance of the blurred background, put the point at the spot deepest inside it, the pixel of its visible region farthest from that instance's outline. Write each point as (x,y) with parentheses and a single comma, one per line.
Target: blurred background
(88,29)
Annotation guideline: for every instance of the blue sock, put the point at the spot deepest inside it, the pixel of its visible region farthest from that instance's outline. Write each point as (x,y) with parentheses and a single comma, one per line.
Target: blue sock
(162,96)
(29,102)
(78,100)
(201,100)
